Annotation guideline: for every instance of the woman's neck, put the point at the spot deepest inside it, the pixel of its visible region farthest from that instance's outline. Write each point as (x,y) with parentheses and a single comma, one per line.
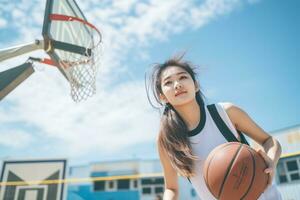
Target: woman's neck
(190,114)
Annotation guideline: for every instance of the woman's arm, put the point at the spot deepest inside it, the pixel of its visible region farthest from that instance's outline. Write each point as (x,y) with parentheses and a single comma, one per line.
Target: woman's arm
(271,147)
(170,176)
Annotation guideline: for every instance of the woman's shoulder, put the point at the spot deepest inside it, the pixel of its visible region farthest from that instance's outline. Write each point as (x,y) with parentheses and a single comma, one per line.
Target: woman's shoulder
(225,105)
(234,112)
(231,109)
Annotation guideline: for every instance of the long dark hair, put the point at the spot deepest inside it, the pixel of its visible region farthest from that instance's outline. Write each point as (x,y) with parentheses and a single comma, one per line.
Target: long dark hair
(173,134)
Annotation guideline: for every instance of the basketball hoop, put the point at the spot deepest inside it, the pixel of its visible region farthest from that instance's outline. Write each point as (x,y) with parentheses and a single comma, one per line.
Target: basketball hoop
(79,67)
(73,44)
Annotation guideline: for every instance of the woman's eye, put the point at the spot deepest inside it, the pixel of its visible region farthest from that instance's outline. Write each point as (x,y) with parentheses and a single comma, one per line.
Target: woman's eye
(168,83)
(183,77)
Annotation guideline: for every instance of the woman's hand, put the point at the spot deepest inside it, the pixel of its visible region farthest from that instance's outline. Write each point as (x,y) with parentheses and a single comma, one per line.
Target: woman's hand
(271,166)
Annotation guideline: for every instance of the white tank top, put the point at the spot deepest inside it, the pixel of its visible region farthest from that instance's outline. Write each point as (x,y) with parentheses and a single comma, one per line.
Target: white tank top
(204,138)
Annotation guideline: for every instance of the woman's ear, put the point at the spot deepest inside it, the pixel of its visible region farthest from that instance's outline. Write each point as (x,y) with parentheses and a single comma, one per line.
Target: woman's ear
(163,98)
(197,87)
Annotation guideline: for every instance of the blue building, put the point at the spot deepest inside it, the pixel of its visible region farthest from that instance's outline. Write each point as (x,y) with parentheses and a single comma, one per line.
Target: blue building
(288,168)
(143,179)
(118,180)
(129,179)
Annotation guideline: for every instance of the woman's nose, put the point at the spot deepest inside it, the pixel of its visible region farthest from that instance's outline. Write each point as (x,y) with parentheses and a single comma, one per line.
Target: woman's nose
(177,85)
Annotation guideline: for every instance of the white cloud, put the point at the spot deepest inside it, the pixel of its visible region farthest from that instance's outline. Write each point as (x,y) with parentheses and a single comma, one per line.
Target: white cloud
(107,122)
(3,23)
(16,139)
(118,116)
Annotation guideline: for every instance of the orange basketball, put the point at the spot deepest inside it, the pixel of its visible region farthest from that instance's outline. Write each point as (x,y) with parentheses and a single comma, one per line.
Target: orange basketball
(234,171)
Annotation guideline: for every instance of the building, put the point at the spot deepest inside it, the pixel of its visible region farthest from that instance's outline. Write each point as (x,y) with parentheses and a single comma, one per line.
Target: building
(142,179)
(288,168)
(127,179)
(132,179)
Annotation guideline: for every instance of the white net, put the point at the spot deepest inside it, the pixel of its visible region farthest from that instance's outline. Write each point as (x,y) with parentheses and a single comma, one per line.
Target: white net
(81,70)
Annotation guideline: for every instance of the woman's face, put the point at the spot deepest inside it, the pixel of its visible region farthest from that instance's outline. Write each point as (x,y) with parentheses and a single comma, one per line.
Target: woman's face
(177,85)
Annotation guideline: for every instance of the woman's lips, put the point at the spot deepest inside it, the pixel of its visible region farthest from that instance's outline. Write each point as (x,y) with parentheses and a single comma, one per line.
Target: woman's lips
(180,93)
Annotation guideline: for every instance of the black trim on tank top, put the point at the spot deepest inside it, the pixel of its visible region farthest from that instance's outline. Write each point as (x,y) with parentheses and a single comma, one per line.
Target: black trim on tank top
(202,121)
(223,128)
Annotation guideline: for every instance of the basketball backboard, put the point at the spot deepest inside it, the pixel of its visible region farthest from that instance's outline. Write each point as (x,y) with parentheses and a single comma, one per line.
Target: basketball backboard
(72,43)
(62,38)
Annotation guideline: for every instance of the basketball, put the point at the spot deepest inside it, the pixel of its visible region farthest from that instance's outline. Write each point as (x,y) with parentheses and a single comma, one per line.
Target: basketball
(234,171)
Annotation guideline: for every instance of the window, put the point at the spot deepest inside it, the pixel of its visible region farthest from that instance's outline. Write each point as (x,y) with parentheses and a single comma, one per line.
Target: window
(159,181)
(295,176)
(146,181)
(135,183)
(99,185)
(114,185)
(159,190)
(123,184)
(292,165)
(283,179)
(150,181)
(281,173)
(111,185)
(152,185)
(288,170)
(146,190)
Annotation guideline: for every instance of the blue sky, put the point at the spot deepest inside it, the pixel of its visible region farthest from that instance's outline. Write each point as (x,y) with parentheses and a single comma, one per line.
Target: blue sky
(249,57)
(247,52)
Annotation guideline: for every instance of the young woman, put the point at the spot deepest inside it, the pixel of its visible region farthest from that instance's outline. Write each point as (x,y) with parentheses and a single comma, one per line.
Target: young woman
(188,133)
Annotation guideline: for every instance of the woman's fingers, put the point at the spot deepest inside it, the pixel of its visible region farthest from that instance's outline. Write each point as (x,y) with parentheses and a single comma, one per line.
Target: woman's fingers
(271,174)
(269,170)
